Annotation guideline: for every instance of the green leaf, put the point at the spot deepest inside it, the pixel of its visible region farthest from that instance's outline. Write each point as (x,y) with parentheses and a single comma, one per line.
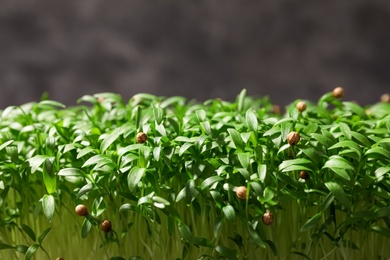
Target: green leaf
(381,230)
(48,206)
(5,246)
(251,120)
(43,235)
(337,191)
(158,114)
(381,171)
(288,163)
(134,177)
(229,212)
(237,139)
(323,139)
(71,172)
(374,152)
(358,110)
(244,159)
(185,232)
(184,148)
(241,100)
(361,139)
(21,249)
(201,241)
(336,161)
(49,177)
(28,231)
(31,251)
(36,162)
(110,139)
(51,103)
(210,181)
(85,228)
(5,144)
(262,171)
(201,115)
(312,222)
(97,159)
(226,252)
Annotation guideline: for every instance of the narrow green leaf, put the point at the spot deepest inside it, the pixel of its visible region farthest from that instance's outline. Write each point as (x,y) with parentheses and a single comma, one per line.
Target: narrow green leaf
(262,171)
(43,235)
(184,148)
(85,228)
(71,172)
(210,181)
(236,138)
(251,120)
(244,159)
(5,246)
(361,139)
(28,231)
(312,222)
(374,152)
(381,171)
(48,206)
(201,115)
(21,249)
(109,139)
(337,191)
(49,177)
(241,100)
(381,230)
(51,103)
(36,162)
(226,252)
(336,161)
(229,212)
(31,251)
(134,177)
(299,162)
(158,114)
(185,232)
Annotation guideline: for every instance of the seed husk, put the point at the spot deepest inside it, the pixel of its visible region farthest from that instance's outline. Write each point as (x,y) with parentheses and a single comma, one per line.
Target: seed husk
(268,218)
(59,258)
(385,98)
(293,138)
(81,210)
(338,92)
(141,137)
(241,192)
(301,106)
(106,226)
(303,175)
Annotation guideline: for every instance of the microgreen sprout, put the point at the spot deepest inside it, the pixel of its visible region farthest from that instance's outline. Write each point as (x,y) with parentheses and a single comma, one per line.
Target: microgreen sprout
(175,179)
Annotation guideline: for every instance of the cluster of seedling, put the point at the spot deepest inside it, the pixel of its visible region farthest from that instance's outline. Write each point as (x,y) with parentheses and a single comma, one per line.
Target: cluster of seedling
(188,180)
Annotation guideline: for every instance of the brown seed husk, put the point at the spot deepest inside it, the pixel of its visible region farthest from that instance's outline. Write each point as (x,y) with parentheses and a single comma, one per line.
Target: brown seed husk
(301,106)
(241,192)
(268,218)
(338,92)
(141,137)
(385,98)
(293,138)
(105,226)
(303,175)
(81,210)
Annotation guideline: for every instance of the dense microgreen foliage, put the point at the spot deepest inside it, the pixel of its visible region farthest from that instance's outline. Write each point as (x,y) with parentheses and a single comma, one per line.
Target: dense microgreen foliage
(174,196)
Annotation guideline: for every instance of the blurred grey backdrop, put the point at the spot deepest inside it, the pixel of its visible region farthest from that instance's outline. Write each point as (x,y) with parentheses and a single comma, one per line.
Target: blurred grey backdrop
(285,49)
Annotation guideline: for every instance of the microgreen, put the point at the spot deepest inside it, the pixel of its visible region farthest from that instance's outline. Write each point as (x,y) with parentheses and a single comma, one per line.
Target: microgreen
(163,177)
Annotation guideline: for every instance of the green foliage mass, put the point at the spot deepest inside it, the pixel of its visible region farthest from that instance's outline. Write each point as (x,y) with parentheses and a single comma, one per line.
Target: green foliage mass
(174,195)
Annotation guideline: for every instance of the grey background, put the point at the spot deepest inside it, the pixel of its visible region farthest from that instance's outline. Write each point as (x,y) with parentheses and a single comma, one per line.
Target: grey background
(198,49)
